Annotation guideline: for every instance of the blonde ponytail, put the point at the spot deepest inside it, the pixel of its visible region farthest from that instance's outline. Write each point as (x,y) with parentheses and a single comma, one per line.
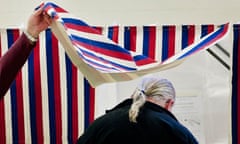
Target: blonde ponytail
(150,87)
(138,101)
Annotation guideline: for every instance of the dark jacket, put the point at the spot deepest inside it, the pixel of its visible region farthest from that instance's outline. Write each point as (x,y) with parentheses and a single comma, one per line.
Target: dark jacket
(13,60)
(155,125)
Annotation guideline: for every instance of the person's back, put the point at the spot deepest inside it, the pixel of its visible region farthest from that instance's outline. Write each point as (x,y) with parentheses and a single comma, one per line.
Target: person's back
(153,125)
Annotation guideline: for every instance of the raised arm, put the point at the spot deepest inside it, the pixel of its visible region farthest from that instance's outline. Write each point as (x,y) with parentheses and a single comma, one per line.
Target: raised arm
(12,61)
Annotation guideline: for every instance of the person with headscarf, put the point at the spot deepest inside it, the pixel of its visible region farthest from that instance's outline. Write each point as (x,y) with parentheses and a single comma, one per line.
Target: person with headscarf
(145,118)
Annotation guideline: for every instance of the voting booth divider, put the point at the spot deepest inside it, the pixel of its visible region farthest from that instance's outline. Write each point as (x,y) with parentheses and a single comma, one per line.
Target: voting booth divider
(51,101)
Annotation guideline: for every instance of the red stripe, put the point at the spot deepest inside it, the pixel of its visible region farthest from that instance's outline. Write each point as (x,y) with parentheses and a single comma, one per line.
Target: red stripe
(100,29)
(171,40)
(19,99)
(20,113)
(191,34)
(86,29)
(152,42)
(2,112)
(2,122)
(91,104)
(210,28)
(115,34)
(145,61)
(110,53)
(60,10)
(57,88)
(74,103)
(133,38)
(38,94)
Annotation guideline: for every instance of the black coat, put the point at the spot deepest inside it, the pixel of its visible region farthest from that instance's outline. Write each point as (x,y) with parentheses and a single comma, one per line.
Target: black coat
(155,125)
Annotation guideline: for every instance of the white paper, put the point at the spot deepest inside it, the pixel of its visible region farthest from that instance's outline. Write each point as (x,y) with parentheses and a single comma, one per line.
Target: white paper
(187,109)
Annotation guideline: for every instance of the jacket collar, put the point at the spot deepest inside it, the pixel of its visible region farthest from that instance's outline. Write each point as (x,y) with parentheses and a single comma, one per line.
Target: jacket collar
(148,104)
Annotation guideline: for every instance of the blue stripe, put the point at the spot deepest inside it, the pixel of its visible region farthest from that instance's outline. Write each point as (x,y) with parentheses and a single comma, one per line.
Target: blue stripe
(50,80)
(86,103)
(32,99)
(69,98)
(99,44)
(139,57)
(204,42)
(110,33)
(75,22)
(127,38)
(235,112)
(146,39)
(204,30)
(165,37)
(13,94)
(14,111)
(185,36)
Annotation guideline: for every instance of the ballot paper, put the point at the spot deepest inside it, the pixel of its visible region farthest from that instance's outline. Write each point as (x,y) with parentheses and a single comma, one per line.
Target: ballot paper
(188,111)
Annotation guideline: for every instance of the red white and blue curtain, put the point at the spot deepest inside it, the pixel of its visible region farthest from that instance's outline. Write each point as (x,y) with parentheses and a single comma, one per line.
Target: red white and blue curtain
(52,100)
(102,60)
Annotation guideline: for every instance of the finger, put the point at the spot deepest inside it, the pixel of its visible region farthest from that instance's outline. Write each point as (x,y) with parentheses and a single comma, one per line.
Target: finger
(39,11)
(48,19)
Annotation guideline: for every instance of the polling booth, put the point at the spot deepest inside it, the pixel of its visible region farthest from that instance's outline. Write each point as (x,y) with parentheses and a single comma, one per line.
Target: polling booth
(55,97)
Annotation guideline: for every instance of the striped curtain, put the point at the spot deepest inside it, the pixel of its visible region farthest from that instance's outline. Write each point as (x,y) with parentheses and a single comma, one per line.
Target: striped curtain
(50,101)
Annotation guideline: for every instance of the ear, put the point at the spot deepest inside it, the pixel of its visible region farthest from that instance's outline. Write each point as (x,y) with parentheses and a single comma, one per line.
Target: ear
(169,104)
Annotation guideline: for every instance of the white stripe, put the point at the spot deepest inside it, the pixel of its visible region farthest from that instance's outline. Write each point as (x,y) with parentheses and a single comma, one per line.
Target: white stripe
(8,118)
(105,31)
(7,97)
(94,37)
(80,86)
(43,68)
(178,39)
(158,56)
(198,32)
(26,103)
(121,36)
(63,85)
(139,40)
(68,15)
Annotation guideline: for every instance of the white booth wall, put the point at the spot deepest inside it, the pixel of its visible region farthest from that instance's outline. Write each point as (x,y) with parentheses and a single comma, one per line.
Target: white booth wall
(200,78)
(200,81)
